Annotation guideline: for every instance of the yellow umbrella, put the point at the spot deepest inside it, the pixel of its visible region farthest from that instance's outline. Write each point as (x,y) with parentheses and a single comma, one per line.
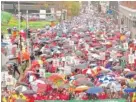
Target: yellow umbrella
(82,88)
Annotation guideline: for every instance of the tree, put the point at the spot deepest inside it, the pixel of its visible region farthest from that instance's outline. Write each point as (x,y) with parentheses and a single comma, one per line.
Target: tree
(73,7)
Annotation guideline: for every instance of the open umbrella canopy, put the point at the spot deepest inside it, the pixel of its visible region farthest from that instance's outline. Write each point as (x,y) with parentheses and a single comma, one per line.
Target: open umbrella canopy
(82,66)
(81,88)
(94,90)
(83,81)
(128,90)
(29,92)
(130,74)
(79,53)
(117,67)
(21,88)
(106,79)
(4,44)
(57,79)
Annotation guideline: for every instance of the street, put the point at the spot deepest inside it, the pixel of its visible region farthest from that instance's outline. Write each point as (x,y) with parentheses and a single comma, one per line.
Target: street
(90,56)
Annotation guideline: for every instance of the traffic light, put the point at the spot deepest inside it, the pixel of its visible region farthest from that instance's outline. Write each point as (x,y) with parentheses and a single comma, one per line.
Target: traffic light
(28,32)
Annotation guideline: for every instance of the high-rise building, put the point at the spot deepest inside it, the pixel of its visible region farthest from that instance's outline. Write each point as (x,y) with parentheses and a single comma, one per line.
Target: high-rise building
(127,11)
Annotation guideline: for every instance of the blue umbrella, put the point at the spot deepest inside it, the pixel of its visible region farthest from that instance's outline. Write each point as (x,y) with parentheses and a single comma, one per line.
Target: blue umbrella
(130,74)
(130,90)
(106,78)
(94,90)
(4,44)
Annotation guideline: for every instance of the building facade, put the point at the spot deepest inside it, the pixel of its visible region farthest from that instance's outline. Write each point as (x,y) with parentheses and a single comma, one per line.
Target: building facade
(127,10)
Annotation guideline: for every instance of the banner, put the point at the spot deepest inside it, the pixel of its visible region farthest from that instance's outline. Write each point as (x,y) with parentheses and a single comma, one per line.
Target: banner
(42,72)
(125,45)
(3,75)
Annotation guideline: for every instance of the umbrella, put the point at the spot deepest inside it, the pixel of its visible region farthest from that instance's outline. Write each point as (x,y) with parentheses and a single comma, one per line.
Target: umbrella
(56,79)
(4,44)
(36,62)
(82,66)
(106,79)
(81,88)
(35,83)
(79,53)
(64,86)
(83,81)
(130,90)
(29,92)
(131,73)
(41,88)
(22,83)
(94,90)
(131,83)
(21,88)
(117,67)
(39,81)
(115,86)
(96,56)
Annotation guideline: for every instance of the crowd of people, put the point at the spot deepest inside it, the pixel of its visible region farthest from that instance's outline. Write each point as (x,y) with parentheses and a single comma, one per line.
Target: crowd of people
(87,58)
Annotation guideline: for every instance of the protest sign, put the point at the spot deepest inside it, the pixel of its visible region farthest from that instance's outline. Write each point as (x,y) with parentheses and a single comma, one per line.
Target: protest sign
(31,78)
(3,75)
(125,45)
(42,72)
(131,59)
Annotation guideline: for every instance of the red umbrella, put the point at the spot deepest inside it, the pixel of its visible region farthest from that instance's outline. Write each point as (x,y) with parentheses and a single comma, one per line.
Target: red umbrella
(35,62)
(41,88)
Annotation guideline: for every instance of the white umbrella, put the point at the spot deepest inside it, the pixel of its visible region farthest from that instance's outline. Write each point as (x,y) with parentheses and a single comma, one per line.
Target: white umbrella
(96,56)
(21,88)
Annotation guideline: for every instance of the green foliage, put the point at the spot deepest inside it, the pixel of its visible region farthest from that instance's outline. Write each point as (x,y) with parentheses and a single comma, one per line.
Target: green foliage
(5,17)
(13,22)
(75,8)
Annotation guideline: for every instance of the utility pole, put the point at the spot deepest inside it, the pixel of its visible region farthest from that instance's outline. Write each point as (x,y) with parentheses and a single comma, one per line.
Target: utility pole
(27,19)
(27,26)
(19,16)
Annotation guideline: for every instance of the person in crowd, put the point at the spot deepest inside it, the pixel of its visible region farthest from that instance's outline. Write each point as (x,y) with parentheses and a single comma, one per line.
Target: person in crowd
(15,67)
